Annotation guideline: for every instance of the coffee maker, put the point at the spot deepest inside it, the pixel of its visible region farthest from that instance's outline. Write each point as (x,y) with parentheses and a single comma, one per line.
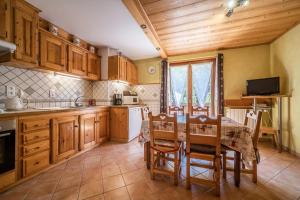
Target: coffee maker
(117,99)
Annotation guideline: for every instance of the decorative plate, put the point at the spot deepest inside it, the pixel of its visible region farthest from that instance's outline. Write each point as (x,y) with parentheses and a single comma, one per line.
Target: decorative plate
(151,70)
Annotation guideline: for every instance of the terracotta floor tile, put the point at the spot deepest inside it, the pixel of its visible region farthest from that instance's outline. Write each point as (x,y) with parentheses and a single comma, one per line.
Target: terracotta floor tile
(117,171)
(66,194)
(113,182)
(90,189)
(118,194)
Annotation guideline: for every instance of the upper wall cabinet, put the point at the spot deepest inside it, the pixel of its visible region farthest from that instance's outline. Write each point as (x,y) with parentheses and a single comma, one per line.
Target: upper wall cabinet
(4,19)
(121,68)
(77,60)
(19,25)
(25,31)
(52,52)
(94,66)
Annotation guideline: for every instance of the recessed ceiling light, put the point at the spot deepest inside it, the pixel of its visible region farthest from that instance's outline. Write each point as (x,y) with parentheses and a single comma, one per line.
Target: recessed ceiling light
(143,26)
(157,48)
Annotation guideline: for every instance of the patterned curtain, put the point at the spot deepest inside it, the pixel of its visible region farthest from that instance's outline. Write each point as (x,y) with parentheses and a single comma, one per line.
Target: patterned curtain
(164,87)
(220,80)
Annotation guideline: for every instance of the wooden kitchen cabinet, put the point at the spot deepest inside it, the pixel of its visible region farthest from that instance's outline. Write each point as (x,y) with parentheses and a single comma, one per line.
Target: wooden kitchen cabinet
(77,60)
(25,31)
(87,130)
(64,137)
(102,126)
(5,19)
(117,68)
(131,75)
(94,66)
(52,52)
(119,124)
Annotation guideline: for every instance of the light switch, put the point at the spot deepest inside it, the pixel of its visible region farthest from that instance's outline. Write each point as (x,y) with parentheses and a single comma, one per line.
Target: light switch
(10,91)
(52,93)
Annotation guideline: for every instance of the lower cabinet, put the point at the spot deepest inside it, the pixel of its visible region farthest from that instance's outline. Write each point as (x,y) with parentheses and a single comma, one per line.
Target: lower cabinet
(102,126)
(87,130)
(64,137)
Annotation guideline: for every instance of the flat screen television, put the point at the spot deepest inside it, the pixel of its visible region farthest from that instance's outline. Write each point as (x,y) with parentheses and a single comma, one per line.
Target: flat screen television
(264,86)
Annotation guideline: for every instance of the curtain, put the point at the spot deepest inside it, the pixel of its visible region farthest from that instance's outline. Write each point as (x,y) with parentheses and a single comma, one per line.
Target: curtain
(178,76)
(201,77)
(164,87)
(220,80)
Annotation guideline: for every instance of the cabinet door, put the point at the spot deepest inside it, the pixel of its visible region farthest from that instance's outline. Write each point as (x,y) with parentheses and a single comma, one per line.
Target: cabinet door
(93,67)
(134,74)
(4,19)
(87,130)
(122,68)
(64,137)
(25,26)
(52,52)
(113,67)
(77,61)
(102,126)
(119,116)
(129,72)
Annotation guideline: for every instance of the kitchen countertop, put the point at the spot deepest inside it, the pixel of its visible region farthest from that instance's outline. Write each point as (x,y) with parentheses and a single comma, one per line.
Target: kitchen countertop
(37,111)
(29,111)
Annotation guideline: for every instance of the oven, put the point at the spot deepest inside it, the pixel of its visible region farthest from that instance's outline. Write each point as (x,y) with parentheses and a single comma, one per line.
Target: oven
(7,145)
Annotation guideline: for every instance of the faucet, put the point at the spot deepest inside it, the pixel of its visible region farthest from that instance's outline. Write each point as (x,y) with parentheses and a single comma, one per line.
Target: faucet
(76,103)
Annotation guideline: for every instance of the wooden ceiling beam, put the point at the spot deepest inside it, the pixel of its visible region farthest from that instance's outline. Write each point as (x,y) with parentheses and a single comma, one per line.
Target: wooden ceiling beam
(138,12)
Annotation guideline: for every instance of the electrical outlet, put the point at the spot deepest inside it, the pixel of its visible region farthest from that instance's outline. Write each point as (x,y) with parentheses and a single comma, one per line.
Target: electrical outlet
(10,91)
(52,93)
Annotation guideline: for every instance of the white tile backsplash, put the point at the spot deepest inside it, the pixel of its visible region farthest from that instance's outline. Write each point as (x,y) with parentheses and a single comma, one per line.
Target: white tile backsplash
(36,86)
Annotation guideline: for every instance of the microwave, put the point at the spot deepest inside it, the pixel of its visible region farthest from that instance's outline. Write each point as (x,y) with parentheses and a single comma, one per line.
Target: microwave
(130,100)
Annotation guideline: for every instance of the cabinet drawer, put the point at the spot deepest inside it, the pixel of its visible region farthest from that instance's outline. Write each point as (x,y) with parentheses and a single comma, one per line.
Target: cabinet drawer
(35,125)
(35,163)
(35,136)
(37,147)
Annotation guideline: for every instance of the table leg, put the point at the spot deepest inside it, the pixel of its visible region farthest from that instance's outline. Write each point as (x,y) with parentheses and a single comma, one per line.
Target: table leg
(237,168)
(280,124)
(148,154)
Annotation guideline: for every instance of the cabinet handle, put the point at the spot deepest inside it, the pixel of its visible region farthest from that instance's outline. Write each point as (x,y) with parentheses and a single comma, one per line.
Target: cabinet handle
(75,126)
(36,163)
(97,122)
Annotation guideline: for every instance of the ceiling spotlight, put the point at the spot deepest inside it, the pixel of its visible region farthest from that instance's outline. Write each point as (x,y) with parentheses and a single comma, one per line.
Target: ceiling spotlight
(157,48)
(143,26)
(232,4)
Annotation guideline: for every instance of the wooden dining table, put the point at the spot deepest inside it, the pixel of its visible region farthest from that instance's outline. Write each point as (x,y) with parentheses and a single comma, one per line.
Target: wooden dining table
(234,136)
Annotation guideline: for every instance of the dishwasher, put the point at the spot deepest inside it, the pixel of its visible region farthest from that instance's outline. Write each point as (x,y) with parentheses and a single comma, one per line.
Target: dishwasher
(135,122)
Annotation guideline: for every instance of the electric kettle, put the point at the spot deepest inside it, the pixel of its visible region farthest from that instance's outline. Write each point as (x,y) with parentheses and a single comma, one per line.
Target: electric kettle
(14,103)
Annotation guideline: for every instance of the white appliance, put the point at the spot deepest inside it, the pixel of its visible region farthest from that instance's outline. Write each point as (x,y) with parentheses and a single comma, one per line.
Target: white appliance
(14,103)
(135,122)
(6,47)
(130,100)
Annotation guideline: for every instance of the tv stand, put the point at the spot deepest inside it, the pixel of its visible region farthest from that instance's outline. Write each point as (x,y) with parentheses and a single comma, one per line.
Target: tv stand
(279,100)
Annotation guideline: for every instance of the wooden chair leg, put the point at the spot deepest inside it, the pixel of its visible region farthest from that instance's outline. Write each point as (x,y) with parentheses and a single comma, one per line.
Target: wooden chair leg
(217,175)
(254,171)
(152,164)
(188,175)
(224,165)
(176,168)
(163,155)
(275,139)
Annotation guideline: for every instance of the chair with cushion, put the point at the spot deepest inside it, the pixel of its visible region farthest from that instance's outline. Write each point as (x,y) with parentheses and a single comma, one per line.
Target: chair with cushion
(176,109)
(255,120)
(144,128)
(164,141)
(203,142)
(198,110)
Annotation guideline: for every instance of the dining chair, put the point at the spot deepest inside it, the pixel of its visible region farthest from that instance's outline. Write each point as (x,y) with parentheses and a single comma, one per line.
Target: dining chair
(144,114)
(203,142)
(255,119)
(176,109)
(163,141)
(198,110)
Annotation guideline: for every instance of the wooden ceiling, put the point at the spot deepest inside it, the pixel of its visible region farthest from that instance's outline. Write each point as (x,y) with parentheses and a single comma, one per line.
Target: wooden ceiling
(187,26)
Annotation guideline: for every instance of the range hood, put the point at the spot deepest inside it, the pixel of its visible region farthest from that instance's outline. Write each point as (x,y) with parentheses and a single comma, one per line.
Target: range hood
(6,47)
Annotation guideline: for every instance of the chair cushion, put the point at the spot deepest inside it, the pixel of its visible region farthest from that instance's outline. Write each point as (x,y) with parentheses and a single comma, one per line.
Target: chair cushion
(204,149)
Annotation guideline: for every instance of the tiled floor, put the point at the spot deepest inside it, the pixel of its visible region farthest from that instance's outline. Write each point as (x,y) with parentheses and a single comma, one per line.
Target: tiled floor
(117,171)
